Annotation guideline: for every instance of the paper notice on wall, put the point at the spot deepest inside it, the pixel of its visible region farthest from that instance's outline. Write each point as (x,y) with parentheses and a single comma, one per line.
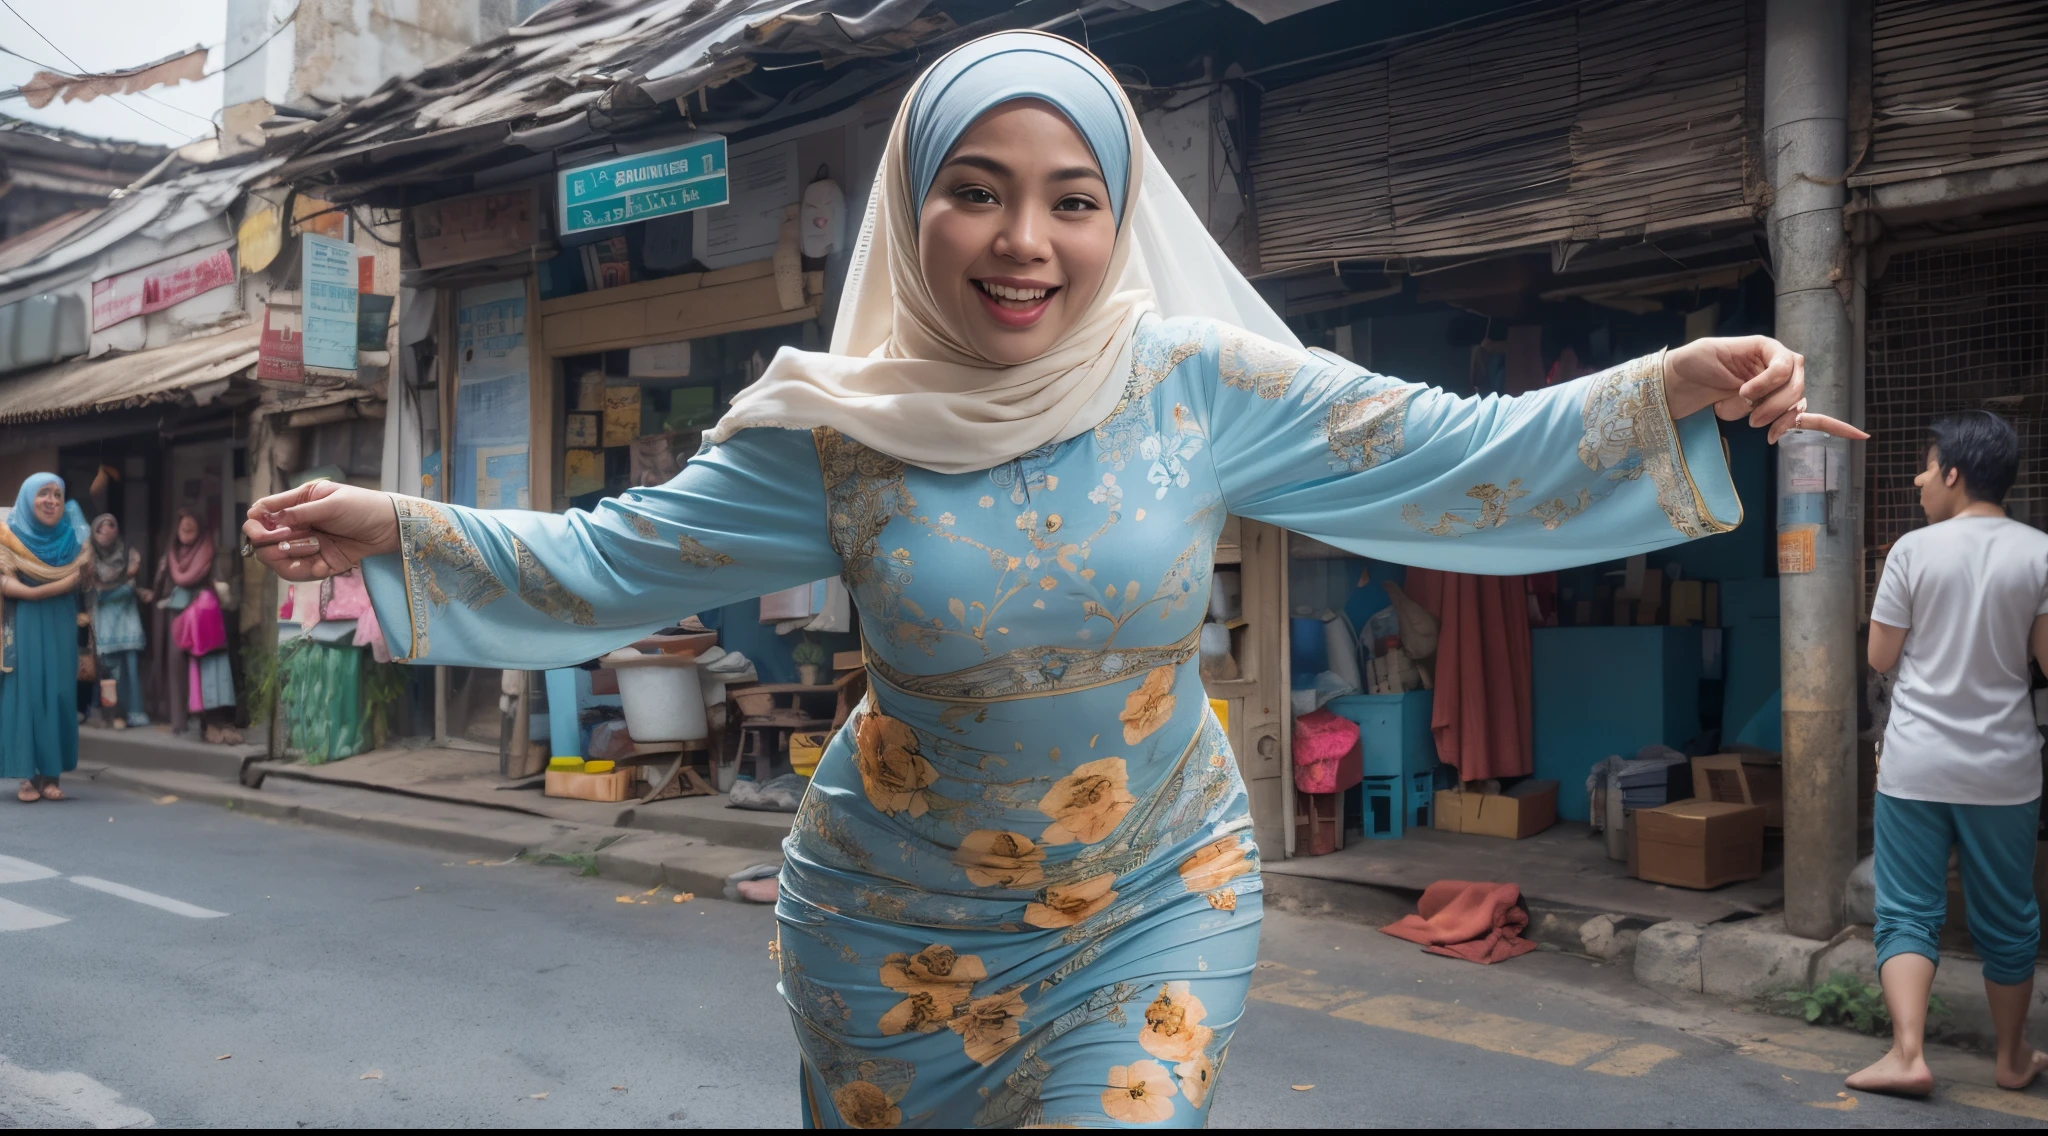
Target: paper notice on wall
(1796,549)
(621,415)
(583,472)
(501,478)
(764,183)
(659,361)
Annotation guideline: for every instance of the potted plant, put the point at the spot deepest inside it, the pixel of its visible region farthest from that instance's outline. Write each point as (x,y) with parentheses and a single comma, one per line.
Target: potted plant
(809,657)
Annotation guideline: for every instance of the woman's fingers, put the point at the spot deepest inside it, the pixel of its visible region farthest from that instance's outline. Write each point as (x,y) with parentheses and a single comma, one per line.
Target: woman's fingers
(1773,390)
(1808,420)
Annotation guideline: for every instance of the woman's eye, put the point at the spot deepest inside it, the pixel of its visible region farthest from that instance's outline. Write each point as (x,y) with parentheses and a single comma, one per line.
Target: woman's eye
(975,195)
(1073,205)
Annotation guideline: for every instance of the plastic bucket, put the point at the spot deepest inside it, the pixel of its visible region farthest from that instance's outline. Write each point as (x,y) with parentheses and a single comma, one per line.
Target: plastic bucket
(661,696)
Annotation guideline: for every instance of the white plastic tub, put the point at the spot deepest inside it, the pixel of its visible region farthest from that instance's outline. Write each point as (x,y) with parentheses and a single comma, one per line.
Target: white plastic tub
(663,700)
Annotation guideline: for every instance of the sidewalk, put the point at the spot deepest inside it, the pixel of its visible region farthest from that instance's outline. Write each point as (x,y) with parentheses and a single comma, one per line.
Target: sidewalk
(446,799)
(1729,943)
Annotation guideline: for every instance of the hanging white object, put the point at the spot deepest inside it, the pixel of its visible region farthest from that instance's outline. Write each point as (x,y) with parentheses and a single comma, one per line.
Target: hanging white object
(824,217)
(1340,643)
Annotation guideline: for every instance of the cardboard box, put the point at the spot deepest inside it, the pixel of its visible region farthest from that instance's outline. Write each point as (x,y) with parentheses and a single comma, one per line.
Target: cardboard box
(1742,779)
(613,786)
(1697,844)
(1523,811)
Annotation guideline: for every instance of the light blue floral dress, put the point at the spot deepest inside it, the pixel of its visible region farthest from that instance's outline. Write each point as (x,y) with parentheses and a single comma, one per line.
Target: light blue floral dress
(1022,887)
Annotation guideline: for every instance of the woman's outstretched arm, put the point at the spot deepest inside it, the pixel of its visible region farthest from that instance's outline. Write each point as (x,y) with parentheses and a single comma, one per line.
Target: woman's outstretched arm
(527,590)
(1620,462)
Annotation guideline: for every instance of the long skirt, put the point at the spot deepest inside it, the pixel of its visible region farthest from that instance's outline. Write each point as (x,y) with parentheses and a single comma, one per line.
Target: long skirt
(39,697)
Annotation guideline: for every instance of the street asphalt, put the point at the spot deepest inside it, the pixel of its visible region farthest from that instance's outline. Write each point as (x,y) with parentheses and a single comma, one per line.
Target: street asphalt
(216,969)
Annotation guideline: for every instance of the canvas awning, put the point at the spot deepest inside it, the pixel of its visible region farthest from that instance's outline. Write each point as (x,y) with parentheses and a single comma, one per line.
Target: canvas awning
(112,382)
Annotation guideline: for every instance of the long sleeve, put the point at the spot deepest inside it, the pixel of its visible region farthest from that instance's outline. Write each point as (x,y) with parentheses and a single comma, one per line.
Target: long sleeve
(1572,474)
(511,588)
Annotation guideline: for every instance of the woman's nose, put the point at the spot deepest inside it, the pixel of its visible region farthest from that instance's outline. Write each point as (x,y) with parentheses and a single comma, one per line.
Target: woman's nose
(1022,238)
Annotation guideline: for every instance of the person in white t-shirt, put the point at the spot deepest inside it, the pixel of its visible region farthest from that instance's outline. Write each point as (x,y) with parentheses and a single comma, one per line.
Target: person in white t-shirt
(1962,604)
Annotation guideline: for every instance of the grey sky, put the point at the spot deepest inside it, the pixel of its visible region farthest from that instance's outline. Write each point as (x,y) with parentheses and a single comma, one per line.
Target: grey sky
(105,35)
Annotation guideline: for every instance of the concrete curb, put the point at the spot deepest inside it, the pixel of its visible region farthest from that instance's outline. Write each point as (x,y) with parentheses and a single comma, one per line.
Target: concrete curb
(632,856)
(1755,959)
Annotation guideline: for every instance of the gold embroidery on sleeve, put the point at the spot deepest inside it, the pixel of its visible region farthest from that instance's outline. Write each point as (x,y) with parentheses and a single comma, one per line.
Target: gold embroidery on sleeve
(642,527)
(545,594)
(437,557)
(1363,432)
(1248,362)
(697,555)
(1629,433)
(1156,349)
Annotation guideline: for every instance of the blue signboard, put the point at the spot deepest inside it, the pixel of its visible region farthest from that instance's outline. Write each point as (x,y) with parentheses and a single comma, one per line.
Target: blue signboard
(658,183)
(328,281)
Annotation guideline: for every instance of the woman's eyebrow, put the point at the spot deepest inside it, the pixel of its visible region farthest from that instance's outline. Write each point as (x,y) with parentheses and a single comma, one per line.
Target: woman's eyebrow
(991,165)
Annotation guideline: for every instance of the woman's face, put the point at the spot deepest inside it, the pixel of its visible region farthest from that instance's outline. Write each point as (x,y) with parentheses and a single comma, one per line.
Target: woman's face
(188,530)
(1016,234)
(105,534)
(49,503)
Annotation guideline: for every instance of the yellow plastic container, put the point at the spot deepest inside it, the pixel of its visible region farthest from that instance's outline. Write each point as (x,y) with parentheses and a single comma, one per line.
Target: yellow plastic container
(565,765)
(1222,710)
(599,766)
(805,750)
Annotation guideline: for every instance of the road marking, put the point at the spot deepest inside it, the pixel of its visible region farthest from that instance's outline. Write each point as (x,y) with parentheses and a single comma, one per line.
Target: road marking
(1634,1061)
(1996,1100)
(64,1100)
(18,917)
(147,898)
(1477,1028)
(13,871)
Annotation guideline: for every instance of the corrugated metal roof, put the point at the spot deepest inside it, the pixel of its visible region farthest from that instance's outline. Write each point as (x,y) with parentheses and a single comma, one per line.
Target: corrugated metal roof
(583,67)
(158,211)
(111,382)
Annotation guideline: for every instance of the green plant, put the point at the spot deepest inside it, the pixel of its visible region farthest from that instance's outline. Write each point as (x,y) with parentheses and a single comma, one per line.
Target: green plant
(384,688)
(1846,1000)
(585,863)
(808,653)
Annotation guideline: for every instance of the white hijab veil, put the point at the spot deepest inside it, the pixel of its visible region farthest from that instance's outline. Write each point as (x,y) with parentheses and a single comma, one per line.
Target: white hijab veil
(897,381)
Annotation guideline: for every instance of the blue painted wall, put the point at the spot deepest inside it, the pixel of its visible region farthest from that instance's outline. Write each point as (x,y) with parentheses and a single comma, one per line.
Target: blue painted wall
(1609,690)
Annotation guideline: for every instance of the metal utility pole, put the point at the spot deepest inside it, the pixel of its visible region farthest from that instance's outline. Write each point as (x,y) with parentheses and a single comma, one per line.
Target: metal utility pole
(1805,144)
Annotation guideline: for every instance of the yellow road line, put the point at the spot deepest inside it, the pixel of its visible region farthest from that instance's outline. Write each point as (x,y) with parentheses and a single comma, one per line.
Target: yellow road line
(1995,1100)
(1634,1061)
(1477,1028)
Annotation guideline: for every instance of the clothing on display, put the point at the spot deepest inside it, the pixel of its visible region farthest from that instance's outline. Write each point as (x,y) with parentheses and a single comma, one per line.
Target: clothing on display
(1481,714)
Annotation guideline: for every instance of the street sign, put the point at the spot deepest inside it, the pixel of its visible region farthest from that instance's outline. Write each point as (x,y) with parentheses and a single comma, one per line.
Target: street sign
(329,303)
(657,183)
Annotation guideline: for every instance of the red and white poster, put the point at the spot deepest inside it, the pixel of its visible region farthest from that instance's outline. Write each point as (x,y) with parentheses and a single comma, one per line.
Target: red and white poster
(160,285)
(280,354)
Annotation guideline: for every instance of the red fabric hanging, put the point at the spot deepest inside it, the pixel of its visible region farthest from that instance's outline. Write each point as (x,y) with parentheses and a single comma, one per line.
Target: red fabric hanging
(1481,712)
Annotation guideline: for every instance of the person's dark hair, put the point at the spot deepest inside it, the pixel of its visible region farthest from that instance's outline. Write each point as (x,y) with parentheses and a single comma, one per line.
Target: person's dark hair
(1983,446)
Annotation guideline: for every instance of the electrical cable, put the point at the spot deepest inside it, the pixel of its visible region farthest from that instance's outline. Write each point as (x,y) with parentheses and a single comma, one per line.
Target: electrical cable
(78,67)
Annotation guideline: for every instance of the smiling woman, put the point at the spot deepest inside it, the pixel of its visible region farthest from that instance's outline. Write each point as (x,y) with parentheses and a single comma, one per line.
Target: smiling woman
(1021,888)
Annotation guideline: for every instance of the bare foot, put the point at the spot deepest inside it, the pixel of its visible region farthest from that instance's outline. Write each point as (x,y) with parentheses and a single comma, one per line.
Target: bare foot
(1894,1074)
(2016,1080)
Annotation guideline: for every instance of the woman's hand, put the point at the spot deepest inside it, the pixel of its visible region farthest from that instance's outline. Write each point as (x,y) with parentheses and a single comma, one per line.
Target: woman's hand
(15,588)
(321,529)
(1750,376)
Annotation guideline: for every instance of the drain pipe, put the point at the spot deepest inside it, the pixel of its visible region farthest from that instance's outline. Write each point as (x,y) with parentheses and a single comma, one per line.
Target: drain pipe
(1805,148)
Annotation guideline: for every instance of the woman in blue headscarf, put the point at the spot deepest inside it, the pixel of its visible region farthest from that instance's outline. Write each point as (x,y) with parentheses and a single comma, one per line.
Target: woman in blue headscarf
(43,555)
(1022,887)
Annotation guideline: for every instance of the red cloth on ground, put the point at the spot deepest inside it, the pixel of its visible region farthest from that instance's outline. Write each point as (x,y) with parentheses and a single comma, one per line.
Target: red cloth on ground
(1480,715)
(1476,922)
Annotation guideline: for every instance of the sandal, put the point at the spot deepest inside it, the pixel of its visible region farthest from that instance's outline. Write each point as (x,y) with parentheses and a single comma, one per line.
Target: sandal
(28,793)
(52,793)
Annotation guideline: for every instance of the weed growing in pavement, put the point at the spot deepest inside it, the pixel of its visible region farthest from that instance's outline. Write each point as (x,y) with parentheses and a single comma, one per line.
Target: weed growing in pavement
(585,863)
(1846,1000)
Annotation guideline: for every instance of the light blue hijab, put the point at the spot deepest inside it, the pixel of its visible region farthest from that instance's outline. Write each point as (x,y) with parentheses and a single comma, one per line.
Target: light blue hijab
(997,69)
(55,545)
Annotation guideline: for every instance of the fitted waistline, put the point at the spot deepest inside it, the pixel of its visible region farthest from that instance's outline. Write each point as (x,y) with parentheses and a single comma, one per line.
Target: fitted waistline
(1036,672)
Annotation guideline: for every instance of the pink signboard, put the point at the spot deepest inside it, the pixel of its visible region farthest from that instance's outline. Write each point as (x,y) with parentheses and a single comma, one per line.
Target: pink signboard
(280,356)
(158,286)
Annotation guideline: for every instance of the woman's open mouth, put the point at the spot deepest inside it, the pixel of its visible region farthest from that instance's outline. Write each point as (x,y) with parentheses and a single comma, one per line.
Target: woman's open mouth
(1017,304)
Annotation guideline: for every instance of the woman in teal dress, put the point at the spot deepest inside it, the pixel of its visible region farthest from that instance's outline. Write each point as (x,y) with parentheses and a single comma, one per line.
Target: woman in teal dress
(1022,888)
(117,635)
(43,555)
